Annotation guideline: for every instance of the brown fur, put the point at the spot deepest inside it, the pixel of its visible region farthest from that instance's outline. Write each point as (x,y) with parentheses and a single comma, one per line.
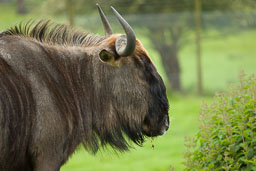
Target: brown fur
(56,93)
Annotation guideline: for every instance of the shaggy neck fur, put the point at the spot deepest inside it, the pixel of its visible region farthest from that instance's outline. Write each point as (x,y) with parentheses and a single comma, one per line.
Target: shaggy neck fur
(83,91)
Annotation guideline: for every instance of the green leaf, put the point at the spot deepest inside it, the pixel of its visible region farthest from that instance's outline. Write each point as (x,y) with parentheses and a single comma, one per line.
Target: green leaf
(250,153)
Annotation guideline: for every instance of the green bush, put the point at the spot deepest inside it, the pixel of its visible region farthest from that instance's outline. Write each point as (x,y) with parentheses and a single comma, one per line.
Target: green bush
(227,134)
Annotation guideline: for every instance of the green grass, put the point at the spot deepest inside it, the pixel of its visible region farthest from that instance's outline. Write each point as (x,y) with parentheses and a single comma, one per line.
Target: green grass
(8,16)
(222,59)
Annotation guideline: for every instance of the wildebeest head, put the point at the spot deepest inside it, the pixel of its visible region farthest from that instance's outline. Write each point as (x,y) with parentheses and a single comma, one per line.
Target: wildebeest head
(136,90)
(105,87)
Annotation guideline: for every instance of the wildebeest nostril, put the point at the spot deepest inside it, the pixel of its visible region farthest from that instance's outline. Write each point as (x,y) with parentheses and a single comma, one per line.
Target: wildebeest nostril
(165,125)
(166,121)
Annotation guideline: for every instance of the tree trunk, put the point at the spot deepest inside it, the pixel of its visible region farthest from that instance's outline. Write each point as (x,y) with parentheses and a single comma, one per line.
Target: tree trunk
(167,42)
(70,11)
(21,7)
(197,16)
(171,65)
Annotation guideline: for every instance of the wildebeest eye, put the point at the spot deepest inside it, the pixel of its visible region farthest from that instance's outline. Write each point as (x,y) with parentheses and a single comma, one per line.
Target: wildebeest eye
(106,56)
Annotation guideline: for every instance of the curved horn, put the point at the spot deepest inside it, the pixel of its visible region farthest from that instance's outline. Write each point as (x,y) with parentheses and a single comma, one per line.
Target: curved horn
(130,40)
(107,27)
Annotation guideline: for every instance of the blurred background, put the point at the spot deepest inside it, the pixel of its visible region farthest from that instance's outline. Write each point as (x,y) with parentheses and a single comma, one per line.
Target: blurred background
(198,46)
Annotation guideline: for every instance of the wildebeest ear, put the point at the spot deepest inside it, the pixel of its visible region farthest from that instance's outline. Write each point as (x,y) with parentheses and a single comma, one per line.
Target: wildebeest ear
(107,57)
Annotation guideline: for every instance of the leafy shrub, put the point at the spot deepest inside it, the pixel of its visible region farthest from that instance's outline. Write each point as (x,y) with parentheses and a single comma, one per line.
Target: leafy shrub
(227,134)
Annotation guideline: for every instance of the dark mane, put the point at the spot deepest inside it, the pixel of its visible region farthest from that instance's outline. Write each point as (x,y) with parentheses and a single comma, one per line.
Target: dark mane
(46,31)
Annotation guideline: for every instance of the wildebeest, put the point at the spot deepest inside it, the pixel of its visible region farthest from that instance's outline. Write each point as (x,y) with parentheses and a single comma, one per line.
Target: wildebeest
(60,87)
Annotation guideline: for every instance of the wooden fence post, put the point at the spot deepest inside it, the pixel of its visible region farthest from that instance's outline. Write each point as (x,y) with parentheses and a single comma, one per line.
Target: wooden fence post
(197,17)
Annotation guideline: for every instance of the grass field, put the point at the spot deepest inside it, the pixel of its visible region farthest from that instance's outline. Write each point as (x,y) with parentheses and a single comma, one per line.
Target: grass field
(223,57)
